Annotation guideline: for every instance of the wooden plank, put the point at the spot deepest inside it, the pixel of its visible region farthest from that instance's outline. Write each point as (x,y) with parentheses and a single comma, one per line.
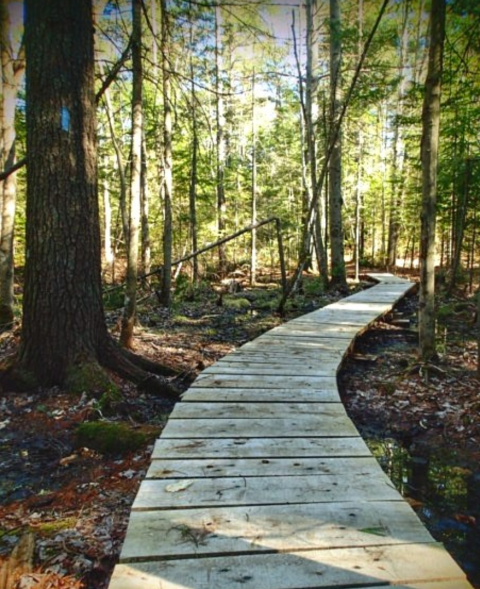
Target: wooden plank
(227,410)
(258,381)
(345,319)
(310,334)
(315,569)
(284,356)
(333,345)
(452,584)
(319,329)
(223,531)
(332,424)
(324,368)
(348,305)
(213,395)
(229,491)
(259,447)
(168,468)
(388,278)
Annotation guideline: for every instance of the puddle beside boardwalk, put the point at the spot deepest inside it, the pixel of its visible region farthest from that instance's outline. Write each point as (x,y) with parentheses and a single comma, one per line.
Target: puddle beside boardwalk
(445,496)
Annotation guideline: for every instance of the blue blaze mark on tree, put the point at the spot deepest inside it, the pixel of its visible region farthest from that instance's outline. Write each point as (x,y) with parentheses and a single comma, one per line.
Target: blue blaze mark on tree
(65,118)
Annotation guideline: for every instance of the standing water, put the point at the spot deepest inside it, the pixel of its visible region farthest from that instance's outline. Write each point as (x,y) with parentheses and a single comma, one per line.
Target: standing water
(445,496)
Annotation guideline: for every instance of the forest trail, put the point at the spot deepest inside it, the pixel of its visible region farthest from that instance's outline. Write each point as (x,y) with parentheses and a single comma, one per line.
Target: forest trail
(261,481)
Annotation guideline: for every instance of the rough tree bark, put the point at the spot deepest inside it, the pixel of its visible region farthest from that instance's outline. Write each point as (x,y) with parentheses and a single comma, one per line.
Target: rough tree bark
(64,339)
(429,158)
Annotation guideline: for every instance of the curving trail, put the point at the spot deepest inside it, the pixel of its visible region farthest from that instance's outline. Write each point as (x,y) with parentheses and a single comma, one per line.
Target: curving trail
(261,481)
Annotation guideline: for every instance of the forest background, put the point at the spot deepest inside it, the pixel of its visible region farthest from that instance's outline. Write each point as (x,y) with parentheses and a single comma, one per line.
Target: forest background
(212,117)
(306,121)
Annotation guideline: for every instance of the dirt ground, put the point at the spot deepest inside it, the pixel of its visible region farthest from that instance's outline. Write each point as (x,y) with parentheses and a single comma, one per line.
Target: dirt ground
(64,505)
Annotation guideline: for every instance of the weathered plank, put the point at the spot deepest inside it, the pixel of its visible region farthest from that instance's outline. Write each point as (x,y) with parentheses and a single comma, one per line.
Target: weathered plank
(229,491)
(236,410)
(332,345)
(257,381)
(237,530)
(341,567)
(331,423)
(320,329)
(281,355)
(324,368)
(452,584)
(285,447)
(240,395)
(168,468)
(348,305)
(346,318)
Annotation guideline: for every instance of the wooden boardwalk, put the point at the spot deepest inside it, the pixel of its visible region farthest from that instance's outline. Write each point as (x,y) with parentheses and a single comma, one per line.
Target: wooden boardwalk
(261,481)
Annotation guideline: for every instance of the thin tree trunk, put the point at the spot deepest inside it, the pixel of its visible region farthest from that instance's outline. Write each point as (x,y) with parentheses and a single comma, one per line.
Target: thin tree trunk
(107,219)
(459,227)
(253,254)
(144,212)
(12,73)
(194,164)
(429,158)
(338,270)
(397,173)
(120,165)
(358,191)
(165,296)
(221,149)
(129,312)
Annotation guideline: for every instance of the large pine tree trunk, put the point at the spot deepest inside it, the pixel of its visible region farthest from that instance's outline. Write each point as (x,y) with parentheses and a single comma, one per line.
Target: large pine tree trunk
(62,209)
(64,335)
(429,156)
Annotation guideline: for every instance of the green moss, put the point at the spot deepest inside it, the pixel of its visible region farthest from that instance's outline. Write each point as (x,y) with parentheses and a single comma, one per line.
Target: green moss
(114,438)
(48,529)
(238,303)
(87,376)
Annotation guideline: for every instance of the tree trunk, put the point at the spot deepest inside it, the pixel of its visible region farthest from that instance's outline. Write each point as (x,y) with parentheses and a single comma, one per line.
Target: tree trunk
(107,216)
(429,158)
(120,165)
(11,71)
(64,335)
(397,174)
(253,251)
(167,187)
(338,271)
(194,164)
(130,308)
(358,191)
(144,212)
(221,148)
(459,225)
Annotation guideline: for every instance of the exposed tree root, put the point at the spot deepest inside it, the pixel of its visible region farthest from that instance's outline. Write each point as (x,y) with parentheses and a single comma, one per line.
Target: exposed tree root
(148,375)
(149,365)
(88,373)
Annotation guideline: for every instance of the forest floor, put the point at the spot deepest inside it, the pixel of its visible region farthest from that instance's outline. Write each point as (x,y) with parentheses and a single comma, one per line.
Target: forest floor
(65,499)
